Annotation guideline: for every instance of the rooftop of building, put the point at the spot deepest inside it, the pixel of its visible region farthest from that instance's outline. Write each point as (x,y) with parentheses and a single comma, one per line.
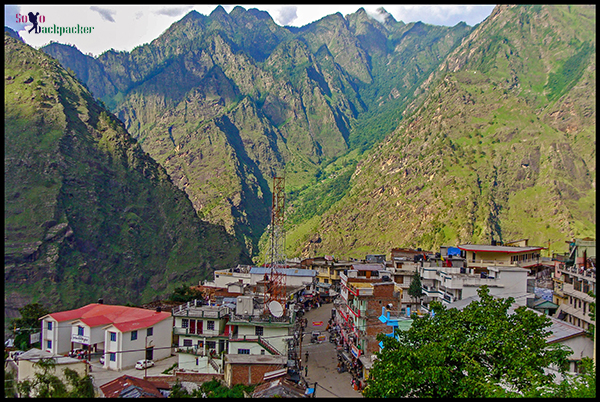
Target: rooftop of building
(131,387)
(285,271)
(498,249)
(123,318)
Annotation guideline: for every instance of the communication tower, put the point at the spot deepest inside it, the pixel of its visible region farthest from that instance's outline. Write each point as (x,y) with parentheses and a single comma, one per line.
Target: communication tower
(276,252)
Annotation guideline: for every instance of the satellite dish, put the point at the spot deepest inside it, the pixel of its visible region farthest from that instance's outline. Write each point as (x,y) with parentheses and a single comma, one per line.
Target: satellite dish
(275,308)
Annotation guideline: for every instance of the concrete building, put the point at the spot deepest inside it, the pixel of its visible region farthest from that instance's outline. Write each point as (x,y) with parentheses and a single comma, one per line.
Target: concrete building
(202,334)
(364,289)
(574,277)
(504,269)
(124,334)
(249,275)
(205,335)
(26,369)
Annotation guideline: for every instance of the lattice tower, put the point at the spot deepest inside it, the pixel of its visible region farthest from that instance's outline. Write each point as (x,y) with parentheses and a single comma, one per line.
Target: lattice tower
(276,252)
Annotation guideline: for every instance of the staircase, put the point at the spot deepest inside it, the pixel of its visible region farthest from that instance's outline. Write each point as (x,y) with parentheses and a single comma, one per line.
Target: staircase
(265,344)
(214,364)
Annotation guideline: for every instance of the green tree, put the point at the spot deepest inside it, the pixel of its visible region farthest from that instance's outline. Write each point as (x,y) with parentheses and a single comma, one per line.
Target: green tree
(573,386)
(28,323)
(415,290)
(185,293)
(480,351)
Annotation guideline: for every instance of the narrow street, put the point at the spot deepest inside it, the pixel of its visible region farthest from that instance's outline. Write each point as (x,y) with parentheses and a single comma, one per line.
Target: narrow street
(322,359)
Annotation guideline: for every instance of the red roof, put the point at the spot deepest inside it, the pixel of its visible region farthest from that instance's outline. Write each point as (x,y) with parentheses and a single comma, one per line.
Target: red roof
(130,387)
(123,318)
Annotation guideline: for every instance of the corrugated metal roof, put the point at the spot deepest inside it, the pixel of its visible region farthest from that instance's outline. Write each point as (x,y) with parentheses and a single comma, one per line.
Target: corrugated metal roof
(285,271)
(497,249)
(130,387)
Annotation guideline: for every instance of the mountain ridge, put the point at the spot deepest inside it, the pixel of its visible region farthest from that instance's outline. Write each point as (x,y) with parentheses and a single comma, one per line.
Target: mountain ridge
(301,107)
(88,214)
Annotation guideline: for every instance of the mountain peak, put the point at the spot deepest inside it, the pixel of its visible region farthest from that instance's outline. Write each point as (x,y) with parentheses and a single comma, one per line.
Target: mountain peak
(219,11)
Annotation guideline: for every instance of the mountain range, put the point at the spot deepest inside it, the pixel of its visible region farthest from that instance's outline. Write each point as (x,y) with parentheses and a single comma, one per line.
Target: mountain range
(388,134)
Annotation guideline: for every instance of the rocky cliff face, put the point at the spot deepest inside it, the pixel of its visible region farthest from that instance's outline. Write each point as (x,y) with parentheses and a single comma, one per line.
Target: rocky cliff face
(88,213)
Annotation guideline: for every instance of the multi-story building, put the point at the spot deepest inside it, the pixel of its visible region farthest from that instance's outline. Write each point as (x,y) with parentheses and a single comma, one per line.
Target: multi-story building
(201,333)
(249,275)
(364,289)
(574,278)
(504,269)
(207,334)
(123,334)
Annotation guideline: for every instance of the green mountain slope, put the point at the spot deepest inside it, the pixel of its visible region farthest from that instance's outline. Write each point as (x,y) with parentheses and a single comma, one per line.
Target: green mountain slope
(225,102)
(88,214)
(498,144)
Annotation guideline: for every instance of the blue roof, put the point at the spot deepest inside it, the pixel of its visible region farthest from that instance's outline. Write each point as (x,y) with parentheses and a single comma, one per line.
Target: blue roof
(285,271)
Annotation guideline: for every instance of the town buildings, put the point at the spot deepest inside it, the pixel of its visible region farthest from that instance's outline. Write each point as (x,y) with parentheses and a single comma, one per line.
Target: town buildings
(574,278)
(504,269)
(123,334)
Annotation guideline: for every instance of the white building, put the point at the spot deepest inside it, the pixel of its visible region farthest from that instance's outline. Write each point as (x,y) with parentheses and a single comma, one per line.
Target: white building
(246,274)
(504,269)
(206,334)
(202,333)
(125,334)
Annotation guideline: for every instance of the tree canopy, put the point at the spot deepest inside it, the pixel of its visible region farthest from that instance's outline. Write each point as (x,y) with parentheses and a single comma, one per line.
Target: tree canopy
(483,350)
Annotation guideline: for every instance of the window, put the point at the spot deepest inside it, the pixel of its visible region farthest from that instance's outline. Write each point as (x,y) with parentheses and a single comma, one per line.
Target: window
(113,336)
(187,342)
(243,351)
(133,335)
(210,325)
(80,330)
(211,345)
(113,357)
(49,325)
(185,323)
(49,344)
(258,331)
(150,331)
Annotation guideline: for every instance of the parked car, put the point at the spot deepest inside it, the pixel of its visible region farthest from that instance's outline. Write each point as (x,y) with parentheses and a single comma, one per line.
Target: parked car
(142,364)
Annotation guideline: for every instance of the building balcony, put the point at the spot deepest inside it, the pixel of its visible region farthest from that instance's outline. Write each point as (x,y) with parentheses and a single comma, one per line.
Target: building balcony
(492,263)
(570,290)
(577,313)
(580,273)
(203,334)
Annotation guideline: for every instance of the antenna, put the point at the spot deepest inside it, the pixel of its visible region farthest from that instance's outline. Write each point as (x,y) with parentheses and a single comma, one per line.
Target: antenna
(276,253)
(275,308)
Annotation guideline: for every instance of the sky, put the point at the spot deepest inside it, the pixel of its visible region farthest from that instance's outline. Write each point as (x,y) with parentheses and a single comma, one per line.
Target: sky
(124,27)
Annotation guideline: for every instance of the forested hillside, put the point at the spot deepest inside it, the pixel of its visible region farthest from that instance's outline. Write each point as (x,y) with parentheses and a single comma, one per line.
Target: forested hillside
(88,213)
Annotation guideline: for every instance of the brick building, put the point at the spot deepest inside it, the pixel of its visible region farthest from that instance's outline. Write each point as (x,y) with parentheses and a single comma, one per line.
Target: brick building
(251,369)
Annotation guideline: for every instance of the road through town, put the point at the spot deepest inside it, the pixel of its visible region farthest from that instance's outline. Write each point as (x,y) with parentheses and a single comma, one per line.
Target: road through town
(322,359)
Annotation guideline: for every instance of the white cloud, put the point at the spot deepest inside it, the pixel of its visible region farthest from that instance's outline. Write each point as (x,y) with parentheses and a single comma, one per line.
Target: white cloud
(286,15)
(126,27)
(105,13)
(173,11)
